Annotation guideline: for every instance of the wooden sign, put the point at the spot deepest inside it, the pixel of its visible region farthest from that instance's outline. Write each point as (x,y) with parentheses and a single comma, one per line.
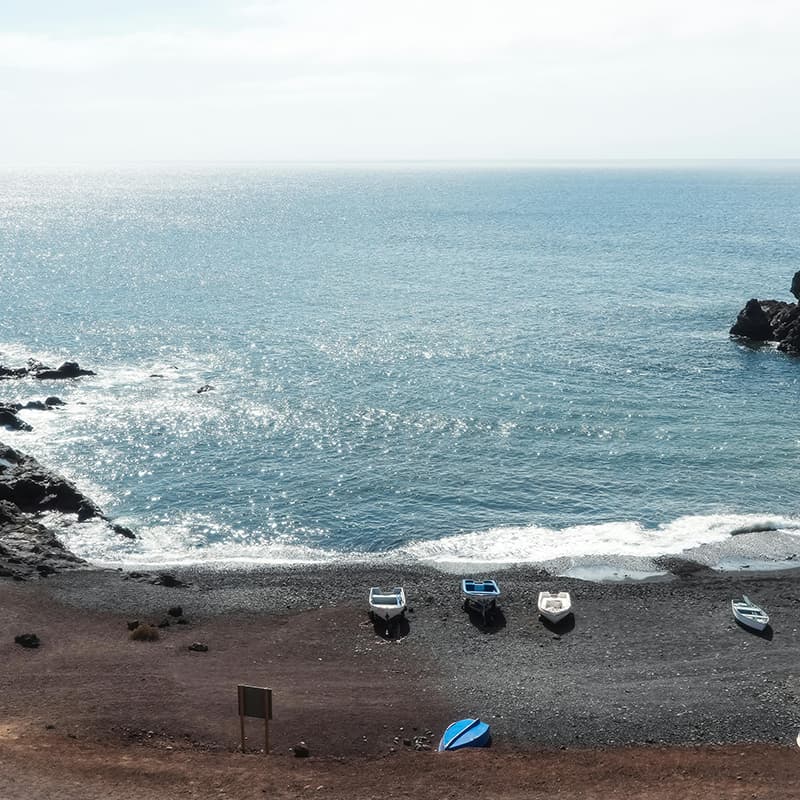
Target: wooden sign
(255,701)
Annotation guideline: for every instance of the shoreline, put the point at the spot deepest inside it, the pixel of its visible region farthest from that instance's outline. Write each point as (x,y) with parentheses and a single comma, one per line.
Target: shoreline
(671,568)
(629,695)
(632,652)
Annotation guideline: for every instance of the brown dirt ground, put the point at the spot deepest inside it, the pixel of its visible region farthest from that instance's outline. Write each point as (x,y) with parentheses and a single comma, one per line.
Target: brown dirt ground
(92,714)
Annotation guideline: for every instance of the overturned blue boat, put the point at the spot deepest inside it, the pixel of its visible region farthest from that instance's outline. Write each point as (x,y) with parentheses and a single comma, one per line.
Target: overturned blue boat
(466,733)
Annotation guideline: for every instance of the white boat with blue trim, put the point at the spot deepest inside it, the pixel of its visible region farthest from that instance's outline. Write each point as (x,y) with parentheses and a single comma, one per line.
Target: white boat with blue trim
(749,614)
(479,595)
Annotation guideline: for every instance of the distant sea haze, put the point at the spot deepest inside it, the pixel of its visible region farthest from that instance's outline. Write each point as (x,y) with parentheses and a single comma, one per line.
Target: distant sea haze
(460,366)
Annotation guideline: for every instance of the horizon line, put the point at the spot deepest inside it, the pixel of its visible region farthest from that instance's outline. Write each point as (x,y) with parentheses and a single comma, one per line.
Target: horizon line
(407,162)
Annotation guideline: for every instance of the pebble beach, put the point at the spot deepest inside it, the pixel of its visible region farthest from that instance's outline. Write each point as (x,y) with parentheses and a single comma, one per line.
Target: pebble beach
(653,676)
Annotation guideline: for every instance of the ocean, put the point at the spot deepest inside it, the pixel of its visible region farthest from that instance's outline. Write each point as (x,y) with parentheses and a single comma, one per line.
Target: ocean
(459,365)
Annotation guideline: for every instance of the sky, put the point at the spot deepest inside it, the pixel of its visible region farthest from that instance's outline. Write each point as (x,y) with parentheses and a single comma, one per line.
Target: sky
(101,81)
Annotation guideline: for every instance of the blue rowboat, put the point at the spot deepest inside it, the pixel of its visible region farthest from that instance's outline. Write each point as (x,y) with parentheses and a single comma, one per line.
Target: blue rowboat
(480,595)
(466,733)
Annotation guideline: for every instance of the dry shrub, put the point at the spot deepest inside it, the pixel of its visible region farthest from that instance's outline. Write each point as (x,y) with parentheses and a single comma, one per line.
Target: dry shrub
(144,633)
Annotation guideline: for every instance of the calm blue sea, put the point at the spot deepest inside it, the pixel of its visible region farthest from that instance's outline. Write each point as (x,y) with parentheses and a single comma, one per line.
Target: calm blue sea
(486,364)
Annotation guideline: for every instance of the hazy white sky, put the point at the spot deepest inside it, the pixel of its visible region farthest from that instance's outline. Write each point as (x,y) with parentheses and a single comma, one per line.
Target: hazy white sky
(275,80)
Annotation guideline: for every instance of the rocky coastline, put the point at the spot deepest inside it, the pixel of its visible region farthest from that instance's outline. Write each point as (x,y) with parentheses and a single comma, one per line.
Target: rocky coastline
(28,490)
(772,321)
(29,548)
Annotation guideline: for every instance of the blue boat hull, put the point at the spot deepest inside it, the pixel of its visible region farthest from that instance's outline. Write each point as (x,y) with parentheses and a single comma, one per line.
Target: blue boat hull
(466,733)
(479,596)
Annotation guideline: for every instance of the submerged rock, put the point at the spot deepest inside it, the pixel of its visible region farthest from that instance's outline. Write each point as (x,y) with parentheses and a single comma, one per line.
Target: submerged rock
(123,531)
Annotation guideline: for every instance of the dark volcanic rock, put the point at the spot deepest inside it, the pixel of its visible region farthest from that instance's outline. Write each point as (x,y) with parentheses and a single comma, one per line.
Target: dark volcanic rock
(69,369)
(27,489)
(34,488)
(796,285)
(10,420)
(753,322)
(19,372)
(35,369)
(123,531)
(53,401)
(301,750)
(170,581)
(9,513)
(772,321)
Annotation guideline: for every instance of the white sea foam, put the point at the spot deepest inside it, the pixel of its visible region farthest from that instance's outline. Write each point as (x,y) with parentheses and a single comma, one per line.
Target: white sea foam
(627,547)
(608,542)
(191,539)
(624,549)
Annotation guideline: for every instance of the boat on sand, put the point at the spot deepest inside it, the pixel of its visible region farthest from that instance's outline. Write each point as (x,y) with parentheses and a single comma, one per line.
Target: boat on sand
(554,606)
(466,733)
(386,606)
(479,596)
(749,614)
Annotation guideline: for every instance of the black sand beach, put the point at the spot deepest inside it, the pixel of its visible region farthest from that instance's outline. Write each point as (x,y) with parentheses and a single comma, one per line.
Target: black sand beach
(660,662)
(653,683)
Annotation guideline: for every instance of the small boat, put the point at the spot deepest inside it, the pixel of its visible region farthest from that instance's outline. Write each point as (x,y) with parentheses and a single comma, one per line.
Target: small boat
(554,606)
(479,595)
(386,605)
(466,733)
(749,614)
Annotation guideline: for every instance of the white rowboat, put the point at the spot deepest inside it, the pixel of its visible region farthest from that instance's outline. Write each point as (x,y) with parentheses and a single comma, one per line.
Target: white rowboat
(554,606)
(749,614)
(387,605)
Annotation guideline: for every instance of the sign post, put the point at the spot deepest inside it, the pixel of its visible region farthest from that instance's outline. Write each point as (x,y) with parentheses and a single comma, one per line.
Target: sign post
(255,701)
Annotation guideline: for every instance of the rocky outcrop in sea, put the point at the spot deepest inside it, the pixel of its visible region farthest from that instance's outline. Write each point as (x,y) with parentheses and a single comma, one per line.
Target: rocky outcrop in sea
(772,321)
(9,411)
(28,490)
(35,369)
(29,548)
